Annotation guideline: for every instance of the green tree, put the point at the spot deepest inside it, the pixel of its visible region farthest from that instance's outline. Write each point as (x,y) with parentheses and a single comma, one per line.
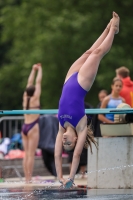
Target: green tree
(56,33)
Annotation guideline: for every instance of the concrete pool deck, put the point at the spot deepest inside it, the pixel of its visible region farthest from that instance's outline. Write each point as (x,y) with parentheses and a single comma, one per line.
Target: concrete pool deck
(47,187)
(40,181)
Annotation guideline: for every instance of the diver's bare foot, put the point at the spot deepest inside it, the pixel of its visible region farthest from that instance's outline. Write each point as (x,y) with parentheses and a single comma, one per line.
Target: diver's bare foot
(28,181)
(115,22)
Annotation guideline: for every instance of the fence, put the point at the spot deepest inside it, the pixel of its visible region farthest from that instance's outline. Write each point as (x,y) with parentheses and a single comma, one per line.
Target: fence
(11,168)
(10,125)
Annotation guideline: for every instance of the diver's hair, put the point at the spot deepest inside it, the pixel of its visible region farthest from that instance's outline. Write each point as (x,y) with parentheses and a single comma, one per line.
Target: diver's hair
(30,91)
(28,103)
(90,138)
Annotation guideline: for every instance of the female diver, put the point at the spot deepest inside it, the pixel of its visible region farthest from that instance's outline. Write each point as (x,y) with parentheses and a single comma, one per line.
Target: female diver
(72,119)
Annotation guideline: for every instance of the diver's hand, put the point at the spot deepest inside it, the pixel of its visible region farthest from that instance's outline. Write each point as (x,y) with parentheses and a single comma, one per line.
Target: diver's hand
(69,184)
(62,181)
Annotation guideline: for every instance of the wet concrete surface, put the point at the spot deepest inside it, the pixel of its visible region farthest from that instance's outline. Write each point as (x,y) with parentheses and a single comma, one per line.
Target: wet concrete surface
(55,193)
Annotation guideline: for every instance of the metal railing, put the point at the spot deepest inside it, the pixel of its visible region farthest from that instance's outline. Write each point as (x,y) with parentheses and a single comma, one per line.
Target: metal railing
(10,125)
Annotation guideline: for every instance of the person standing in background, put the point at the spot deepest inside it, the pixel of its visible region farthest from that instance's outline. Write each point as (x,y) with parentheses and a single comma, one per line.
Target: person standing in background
(127,89)
(30,128)
(48,125)
(112,101)
(101,95)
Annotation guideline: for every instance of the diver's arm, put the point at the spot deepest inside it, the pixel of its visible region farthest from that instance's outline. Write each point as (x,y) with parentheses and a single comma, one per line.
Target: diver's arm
(31,76)
(38,80)
(77,152)
(58,154)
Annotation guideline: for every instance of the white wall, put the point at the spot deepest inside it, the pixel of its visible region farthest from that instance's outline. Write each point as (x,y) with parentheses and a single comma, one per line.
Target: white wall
(112,155)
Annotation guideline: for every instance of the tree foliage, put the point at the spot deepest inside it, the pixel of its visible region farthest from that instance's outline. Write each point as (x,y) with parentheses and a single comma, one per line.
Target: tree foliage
(56,33)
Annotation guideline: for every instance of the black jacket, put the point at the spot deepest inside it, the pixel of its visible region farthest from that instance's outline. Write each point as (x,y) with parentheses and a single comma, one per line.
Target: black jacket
(48,125)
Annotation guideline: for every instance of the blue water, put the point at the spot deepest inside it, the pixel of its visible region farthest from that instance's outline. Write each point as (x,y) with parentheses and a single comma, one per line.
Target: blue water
(51,194)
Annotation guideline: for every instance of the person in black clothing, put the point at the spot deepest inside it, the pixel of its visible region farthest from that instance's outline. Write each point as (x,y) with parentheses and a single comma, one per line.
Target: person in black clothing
(48,125)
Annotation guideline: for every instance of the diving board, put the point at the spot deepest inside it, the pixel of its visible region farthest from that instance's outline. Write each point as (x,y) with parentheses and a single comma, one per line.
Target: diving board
(55,111)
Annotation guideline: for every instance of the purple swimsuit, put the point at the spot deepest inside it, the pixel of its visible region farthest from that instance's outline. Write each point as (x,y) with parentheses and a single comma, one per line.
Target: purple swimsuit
(71,104)
(26,127)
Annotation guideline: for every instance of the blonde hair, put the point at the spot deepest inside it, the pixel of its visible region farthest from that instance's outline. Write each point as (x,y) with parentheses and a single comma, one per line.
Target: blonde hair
(90,138)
